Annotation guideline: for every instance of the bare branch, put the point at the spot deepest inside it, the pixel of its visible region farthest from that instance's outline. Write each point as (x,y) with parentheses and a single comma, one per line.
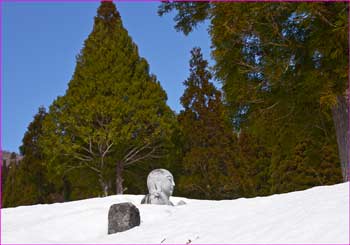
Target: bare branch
(130,152)
(287,115)
(92,168)
(199,188)
(99,148)
(107,150)
(324,18)
(83,158)
(72,168)
(250,67)
(90,146)
(257,101)
(270,107)
(150,154)
(88,150)
(276,44)
(137,151)
(85,161)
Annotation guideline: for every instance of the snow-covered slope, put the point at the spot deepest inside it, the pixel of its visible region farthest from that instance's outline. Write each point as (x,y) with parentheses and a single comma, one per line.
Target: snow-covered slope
(317,215)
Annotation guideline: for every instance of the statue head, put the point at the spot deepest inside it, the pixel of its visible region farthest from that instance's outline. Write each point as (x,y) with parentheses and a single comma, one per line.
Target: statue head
(160,181)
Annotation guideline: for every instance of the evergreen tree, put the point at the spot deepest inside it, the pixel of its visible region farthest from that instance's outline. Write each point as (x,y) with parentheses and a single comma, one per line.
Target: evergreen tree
(254,160)
(4,173)
(209,164)
(27,182)
(8,194)
(114,113)
(30,144)
(32,163)
(284,69)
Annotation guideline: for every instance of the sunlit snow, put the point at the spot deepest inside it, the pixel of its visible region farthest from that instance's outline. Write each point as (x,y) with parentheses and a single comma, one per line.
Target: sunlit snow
(317,215)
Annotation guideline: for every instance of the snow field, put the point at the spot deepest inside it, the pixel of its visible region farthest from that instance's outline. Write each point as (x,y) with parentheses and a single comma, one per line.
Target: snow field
(318,215)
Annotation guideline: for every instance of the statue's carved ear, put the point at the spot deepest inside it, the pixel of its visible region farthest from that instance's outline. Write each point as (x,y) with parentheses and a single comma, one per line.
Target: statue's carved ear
(158,188)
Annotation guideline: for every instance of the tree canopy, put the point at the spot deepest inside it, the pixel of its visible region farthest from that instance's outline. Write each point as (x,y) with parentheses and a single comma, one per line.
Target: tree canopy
(209,144)
(279,122)
(114,112)
(284,71)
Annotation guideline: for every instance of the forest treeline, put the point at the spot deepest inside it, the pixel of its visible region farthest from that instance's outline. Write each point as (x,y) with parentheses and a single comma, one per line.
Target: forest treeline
(279,123)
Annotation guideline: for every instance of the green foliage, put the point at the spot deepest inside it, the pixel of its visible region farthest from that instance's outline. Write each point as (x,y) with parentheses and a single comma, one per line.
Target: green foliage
(4,173)
(26,181)
(26,184)
(308,165)
(114,113)
(282,66)
(209,163)
(30,146)
(189,15)
(10,197)
(254,160)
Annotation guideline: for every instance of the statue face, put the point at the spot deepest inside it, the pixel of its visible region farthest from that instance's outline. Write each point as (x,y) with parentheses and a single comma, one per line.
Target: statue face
(161,180)
(168,184)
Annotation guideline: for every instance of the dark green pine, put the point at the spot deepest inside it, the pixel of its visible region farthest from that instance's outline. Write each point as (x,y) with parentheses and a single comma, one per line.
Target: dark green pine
(209,160)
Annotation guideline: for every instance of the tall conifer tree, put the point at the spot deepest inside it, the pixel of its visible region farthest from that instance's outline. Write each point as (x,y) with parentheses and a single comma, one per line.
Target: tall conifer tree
(114,113)
(27,183)
(209,164)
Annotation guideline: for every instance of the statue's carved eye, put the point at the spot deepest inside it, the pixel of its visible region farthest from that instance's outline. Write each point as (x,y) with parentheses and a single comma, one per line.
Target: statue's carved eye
(169,178)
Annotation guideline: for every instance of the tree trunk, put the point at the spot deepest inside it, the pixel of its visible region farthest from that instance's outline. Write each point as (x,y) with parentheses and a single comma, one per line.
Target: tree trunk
(104,186)
(67,189)
(119,177)
(340,114)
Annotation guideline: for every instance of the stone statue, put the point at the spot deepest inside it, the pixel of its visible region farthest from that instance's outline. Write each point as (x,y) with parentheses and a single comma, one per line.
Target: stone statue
(160,183)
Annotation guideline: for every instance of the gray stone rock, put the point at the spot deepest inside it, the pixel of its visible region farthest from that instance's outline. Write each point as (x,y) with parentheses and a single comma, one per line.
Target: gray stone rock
(122,217)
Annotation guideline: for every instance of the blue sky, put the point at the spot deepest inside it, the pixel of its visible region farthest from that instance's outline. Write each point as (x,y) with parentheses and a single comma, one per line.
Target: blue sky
(41,40)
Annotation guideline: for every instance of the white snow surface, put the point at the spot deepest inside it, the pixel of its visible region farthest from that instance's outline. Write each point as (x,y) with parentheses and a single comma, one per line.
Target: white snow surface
(317,215)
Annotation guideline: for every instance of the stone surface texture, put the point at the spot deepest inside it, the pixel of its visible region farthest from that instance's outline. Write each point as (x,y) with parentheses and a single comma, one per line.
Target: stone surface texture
(160,183)
(122,217)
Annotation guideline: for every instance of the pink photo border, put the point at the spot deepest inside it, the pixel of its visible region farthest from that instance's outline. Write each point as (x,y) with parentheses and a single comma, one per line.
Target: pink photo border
(32,1)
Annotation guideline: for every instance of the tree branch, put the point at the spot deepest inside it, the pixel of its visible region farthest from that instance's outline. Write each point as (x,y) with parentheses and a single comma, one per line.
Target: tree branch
(107,150)
(133,159)
(137,151)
